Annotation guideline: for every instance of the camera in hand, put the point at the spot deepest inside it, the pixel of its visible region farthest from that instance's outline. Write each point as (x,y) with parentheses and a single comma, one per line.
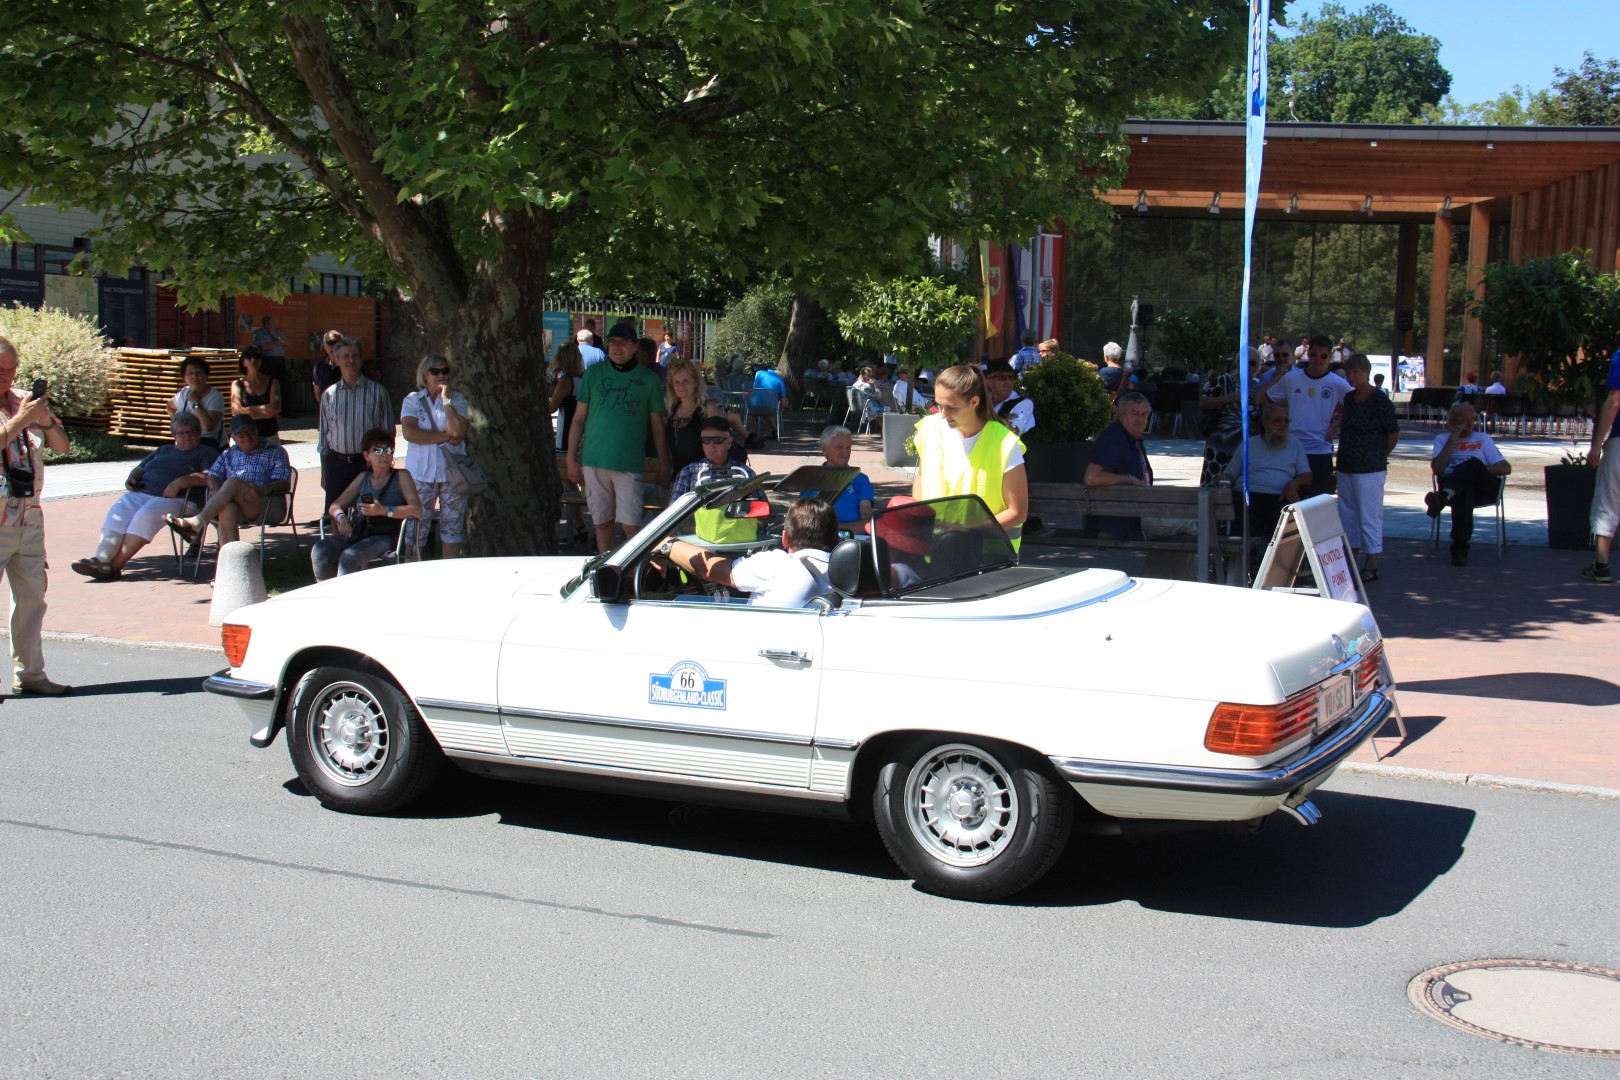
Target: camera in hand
(40,387)
(368,499)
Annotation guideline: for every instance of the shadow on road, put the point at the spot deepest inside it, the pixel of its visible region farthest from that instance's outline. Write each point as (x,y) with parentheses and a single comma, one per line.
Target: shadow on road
(1557,688)
(173,687)
(1367,860)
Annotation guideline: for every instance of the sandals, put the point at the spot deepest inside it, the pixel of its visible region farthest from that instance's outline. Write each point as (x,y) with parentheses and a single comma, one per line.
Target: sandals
(181,526)
(1369,573)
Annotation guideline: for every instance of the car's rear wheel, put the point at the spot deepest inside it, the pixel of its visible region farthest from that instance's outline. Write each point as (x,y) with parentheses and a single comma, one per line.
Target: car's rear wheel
(358,743)
(970,819)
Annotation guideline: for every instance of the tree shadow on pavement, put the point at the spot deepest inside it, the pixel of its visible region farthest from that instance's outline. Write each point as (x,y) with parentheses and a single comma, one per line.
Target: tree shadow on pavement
(1367,860)
(1554,687)
(1530,593)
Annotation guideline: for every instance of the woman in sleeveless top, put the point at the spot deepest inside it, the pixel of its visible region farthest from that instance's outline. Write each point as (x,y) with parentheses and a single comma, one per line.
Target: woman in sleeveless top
(566,370)
(368,515)
(258,396)
(686,406)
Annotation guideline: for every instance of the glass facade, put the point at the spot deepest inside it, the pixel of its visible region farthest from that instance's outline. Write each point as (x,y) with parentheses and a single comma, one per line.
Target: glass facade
(1333,278)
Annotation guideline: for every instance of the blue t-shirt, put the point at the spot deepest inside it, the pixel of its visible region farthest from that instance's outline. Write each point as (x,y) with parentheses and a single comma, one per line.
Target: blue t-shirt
(1116,452)
(590,354)
(1613,383)
(769,379)
(849,503)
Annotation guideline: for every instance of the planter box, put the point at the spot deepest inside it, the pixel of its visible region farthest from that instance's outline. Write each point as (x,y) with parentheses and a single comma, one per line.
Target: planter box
(1569,506)
(897,428)
(1058,463)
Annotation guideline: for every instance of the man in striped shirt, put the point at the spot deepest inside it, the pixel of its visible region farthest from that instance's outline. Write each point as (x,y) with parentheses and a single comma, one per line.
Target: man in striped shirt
(349,408)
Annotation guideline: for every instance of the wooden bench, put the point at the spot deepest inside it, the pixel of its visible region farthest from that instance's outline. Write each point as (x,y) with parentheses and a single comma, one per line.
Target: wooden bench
(574,496)
(1208,506)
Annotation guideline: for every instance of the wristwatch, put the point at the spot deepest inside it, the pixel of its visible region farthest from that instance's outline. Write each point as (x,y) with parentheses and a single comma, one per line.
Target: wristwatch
(666,547)
(388,512)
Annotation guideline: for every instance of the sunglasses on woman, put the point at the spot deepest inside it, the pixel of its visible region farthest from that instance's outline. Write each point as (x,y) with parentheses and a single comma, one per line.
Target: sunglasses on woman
(441,371)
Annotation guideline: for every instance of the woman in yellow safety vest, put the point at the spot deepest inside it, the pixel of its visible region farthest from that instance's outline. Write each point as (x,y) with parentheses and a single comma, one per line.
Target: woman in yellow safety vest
(964,450)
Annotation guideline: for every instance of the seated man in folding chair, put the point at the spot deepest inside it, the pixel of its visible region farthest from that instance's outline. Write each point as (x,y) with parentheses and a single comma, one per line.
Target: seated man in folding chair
(158,485)
(1470,470)
(239,482)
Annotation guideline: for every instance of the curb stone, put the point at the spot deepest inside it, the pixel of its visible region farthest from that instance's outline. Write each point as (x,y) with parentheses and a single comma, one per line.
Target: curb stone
(1511,783)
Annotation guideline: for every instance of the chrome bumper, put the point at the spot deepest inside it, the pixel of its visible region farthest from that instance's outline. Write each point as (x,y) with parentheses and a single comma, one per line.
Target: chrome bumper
(258,702)
(1280,778)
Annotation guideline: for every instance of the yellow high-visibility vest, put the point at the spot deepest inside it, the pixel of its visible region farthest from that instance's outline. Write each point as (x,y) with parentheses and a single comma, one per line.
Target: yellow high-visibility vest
(987,464)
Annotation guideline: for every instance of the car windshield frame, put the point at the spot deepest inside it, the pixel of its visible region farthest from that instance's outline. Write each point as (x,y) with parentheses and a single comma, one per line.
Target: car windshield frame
(920,530)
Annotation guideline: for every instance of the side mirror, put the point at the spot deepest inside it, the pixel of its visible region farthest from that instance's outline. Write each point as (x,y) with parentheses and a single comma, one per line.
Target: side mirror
(608,584)
(752,508)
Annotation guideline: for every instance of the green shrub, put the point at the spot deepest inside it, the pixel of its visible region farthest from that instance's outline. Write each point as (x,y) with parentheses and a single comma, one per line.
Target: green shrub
(921,320)
(69,350)
(754,327)
(1071,402)
(87,444)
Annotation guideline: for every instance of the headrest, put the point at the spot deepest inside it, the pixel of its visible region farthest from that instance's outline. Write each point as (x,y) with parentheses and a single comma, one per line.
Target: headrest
(850,569)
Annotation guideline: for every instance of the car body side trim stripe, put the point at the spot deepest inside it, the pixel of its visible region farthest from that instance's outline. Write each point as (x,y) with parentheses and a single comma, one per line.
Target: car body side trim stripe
(543,764)
(660,725)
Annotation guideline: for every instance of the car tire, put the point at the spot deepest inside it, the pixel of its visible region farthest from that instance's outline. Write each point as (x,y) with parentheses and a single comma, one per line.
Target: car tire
(358,743)
(1006,821)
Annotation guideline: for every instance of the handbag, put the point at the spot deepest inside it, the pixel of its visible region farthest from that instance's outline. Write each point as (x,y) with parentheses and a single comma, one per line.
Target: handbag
(464,475)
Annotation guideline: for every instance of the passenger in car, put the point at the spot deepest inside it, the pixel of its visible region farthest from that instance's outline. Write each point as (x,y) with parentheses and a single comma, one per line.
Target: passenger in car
(713,525)
(789,576)
(854,505)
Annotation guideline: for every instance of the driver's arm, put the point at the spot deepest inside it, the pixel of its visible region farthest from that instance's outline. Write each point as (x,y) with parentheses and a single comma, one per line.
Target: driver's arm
(701,562)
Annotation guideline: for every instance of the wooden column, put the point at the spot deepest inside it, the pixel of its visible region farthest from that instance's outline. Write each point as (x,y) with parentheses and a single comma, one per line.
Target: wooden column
(1434,360)
(1608,255)
(1479,245)
(1521,226)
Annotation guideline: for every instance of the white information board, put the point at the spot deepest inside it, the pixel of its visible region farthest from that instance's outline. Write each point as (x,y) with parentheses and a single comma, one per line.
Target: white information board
(1310,553)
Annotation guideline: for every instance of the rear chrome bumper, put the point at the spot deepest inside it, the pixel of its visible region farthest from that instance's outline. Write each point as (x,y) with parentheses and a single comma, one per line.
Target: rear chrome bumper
(238,688)
(1294,772)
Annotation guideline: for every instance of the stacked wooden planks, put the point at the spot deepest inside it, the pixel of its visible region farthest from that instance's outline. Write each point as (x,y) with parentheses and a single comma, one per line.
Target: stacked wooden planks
(143,380)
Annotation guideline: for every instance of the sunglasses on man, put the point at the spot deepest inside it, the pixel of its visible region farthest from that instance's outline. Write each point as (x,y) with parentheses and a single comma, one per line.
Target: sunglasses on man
(715,440)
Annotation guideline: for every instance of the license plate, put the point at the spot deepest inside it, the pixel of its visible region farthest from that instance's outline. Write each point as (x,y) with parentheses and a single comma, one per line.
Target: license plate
(1333,701)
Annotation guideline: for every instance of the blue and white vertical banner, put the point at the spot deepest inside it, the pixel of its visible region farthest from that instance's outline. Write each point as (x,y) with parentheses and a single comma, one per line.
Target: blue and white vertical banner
(1254,152)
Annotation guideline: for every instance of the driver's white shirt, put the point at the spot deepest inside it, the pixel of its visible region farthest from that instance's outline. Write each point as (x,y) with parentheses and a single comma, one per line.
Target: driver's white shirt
(776,578)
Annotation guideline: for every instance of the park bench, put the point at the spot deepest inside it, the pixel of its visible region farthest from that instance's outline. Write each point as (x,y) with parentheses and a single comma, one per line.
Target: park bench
(1209,506)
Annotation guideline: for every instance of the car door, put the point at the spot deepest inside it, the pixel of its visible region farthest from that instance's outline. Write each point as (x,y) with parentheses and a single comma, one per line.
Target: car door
(709,691)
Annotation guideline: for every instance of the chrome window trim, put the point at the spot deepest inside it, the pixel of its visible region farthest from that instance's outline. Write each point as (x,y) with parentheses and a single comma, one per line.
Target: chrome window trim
(660,725)
(836,744)
(1277,779)
(683,779)
(937,606)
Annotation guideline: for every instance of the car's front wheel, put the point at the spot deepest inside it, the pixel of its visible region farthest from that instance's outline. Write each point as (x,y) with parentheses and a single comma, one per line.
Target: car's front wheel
(358,743)
(973,820)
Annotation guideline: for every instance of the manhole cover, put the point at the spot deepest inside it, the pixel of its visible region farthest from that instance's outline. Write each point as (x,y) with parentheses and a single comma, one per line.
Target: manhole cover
(1565,1008)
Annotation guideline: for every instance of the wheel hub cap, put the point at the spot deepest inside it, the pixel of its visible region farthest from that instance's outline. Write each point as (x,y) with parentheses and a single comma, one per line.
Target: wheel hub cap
(351,737)
(966,803)
(962,806)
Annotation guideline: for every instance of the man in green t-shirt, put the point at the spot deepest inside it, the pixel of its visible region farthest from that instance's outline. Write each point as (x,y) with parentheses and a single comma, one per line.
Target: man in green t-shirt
(619,403)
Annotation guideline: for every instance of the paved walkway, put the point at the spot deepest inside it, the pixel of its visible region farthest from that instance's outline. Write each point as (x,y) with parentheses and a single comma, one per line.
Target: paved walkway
(1501,664)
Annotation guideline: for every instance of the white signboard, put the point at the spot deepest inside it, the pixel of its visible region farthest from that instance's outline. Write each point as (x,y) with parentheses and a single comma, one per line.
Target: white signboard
(1309,553)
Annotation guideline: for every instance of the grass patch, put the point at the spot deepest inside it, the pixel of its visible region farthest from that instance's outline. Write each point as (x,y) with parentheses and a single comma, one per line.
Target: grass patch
(87,444)
(284,573)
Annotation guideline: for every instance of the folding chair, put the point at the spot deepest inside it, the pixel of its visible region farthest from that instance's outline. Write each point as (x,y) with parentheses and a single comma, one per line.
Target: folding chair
(406,548)
(1501,518)
(274,512)
(765,402)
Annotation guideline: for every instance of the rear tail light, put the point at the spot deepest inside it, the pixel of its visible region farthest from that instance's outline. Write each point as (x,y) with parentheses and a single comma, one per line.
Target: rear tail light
(1257,730)
(235,639)
(1369,670)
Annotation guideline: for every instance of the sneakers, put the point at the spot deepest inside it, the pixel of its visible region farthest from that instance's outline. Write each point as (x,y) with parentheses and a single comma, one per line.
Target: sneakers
(1598,572)
(92,568)
(39,684)
(1436,502)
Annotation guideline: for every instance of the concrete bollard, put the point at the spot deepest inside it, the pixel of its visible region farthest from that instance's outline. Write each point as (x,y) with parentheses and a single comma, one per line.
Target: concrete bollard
(238,581)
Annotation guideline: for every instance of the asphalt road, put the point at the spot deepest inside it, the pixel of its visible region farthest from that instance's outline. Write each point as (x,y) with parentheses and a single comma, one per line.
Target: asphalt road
(173,904)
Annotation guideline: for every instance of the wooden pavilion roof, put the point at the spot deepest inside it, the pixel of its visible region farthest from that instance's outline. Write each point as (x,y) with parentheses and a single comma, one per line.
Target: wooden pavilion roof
(1331,169)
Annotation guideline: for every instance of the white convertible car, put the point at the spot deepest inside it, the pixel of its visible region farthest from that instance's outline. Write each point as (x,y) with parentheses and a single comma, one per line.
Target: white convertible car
(974,707)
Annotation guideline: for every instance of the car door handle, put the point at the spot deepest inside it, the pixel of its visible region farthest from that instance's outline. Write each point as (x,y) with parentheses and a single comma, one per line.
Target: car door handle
(787,656)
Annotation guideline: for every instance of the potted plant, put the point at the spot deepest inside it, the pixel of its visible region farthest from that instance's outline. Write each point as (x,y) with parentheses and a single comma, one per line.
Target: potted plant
(1562,318)
(1071,406)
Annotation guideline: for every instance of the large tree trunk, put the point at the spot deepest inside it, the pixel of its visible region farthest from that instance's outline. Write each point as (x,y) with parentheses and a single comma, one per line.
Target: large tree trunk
(803,340)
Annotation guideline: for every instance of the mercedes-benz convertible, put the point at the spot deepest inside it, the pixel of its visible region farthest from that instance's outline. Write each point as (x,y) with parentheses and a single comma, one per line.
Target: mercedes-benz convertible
(975,708)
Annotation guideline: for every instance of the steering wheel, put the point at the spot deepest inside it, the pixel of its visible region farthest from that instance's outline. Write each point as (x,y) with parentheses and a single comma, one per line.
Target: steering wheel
(651,584)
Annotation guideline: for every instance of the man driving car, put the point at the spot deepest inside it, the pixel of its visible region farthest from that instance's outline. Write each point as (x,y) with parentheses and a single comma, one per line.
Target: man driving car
(779,577)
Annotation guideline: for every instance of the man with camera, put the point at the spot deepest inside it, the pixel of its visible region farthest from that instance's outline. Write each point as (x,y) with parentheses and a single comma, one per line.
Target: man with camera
(22,522)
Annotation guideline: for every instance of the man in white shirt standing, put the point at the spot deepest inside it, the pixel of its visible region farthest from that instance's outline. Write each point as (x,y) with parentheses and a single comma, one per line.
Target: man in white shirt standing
(1315,398)
(1470,468)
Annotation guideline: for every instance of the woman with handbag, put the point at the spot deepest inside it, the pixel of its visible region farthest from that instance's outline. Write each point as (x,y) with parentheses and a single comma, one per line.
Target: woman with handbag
(368,515)
(434,419)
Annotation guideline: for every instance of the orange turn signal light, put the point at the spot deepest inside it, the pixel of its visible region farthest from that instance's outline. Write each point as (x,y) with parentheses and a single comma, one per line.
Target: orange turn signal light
(1257,730)
(235,637)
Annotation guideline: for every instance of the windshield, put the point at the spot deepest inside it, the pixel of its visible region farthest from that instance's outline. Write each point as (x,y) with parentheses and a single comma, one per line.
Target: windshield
(927,543)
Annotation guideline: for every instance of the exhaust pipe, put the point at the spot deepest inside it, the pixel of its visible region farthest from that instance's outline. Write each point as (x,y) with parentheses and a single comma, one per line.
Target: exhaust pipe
(1305,813)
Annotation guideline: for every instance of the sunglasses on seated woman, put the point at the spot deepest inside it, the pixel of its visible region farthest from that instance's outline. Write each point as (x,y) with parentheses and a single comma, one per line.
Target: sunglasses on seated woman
(438,371)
